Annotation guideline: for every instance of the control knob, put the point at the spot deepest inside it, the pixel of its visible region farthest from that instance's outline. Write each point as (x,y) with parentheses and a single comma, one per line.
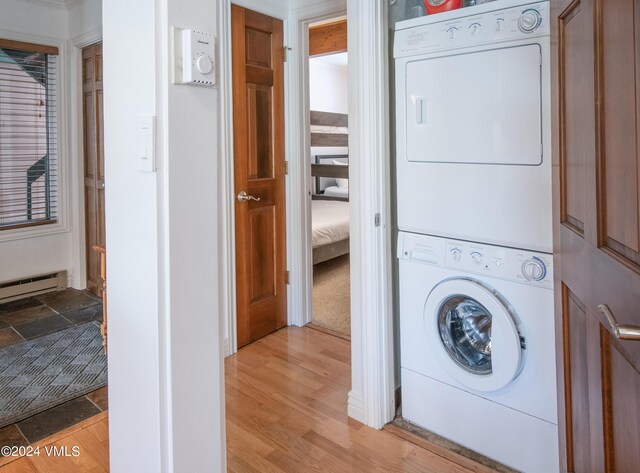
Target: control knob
(474,29)
(476,257)
(204,64)
(534,269)
(452,32)
(529,21)
(456,254)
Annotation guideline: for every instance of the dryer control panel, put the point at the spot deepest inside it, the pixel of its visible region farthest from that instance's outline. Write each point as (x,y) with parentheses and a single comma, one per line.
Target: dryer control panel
(504,263)
(483,24)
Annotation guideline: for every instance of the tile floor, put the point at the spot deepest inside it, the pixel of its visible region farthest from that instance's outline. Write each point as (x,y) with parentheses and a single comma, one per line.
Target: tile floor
(34,317)
(37,316)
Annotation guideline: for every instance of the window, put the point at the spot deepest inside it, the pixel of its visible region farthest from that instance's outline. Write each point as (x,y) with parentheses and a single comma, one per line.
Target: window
(28,135)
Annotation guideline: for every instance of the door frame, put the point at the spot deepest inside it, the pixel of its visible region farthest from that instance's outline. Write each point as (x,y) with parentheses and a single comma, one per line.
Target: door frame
(372,397)
(79,243)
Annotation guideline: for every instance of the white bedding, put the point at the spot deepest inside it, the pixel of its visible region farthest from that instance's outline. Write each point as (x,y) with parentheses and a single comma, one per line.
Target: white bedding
(330,221)
(335,191)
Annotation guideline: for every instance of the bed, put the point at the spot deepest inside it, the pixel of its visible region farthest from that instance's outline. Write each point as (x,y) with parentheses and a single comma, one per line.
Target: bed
(330,196)
(330,236)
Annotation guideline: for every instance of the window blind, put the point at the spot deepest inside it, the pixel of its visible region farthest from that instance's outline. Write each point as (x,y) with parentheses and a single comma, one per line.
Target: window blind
(28,136)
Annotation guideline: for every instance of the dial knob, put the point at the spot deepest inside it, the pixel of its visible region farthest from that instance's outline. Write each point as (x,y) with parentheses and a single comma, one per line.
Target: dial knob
(534,269)
(474,29)
(204,64)
(456,254)
(529,20)
(452,32)
(476,257)
(499,25)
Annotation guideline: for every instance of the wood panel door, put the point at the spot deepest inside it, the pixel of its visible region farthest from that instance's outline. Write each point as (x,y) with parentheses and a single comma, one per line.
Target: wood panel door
(597,190)
(258,128)
(94,184)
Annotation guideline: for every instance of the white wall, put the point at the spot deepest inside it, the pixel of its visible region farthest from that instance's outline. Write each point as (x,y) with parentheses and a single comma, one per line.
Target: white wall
(191,225)
(132,240)
(28,252)
(32,18)
(165,351)
(328,84)
(85,17)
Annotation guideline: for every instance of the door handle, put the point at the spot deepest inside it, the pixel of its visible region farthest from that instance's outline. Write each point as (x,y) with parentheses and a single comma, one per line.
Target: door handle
(621,331)
(244,197)
(422,111)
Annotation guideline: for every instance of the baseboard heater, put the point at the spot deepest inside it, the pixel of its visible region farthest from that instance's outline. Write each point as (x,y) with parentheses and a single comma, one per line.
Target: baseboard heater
(32,286)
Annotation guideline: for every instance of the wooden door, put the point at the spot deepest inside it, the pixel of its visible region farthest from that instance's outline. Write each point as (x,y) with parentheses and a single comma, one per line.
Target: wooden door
(94,184)
(597,148)
(258,127)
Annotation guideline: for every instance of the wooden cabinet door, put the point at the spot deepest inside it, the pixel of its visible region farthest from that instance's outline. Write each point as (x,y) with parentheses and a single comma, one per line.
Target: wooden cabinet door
(597,190)
(258,128)
(94,184)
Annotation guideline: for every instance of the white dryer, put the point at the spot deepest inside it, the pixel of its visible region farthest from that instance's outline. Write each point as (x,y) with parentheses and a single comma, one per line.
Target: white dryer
(478,348)
(473,124)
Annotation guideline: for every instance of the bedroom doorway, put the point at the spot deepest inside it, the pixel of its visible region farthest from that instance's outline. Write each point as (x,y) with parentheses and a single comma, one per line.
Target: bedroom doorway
(259,173)
(329,142)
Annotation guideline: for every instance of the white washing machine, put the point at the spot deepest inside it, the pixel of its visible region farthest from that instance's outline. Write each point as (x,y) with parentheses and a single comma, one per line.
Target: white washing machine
(478,348)
(473,124)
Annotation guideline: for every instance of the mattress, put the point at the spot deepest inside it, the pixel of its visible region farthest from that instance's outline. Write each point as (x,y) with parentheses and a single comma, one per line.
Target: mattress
(330,221)
(335,191)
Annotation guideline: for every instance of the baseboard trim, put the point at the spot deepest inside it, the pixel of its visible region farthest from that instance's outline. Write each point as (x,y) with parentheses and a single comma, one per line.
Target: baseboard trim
(226,348)
(355,406)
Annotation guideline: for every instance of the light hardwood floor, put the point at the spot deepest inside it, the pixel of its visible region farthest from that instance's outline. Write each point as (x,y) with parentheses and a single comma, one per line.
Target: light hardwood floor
(286,412)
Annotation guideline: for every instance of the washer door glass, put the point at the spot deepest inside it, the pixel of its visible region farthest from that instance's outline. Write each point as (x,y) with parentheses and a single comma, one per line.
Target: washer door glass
(465,330)
(474,333)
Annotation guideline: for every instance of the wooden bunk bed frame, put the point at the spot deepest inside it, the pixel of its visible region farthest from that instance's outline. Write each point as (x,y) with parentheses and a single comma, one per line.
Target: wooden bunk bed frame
(318,169)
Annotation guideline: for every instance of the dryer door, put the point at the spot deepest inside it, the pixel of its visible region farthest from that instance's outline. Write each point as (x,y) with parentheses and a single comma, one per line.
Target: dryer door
(474,334)
(479,107)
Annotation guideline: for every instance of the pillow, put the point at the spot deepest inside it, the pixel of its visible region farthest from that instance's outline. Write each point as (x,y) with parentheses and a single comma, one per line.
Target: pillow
(342,183)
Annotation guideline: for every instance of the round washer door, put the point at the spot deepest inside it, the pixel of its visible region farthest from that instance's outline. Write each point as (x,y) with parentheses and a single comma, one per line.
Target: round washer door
(473,334)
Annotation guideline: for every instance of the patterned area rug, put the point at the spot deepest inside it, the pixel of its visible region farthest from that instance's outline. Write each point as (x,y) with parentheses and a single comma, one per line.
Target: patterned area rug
(42,373)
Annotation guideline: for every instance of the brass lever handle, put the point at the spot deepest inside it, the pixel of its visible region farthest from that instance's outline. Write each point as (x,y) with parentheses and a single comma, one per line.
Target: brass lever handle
(244,197)
(621,331)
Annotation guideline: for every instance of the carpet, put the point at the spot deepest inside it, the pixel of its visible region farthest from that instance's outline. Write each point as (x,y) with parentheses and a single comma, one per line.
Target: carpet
(42,373)
(331,295)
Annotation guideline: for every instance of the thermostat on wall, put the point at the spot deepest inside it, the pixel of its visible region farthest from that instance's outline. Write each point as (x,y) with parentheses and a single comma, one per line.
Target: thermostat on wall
(198,58)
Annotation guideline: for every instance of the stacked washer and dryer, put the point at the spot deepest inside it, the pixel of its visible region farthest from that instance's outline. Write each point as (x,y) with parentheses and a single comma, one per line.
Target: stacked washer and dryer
(474,212)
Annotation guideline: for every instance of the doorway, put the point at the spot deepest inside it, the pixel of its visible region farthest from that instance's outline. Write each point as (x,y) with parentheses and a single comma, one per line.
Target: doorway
(94,184)
(371,395)
(329,151)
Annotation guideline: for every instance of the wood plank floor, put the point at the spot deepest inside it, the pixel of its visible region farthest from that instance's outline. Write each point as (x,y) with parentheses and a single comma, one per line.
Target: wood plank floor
(286,412)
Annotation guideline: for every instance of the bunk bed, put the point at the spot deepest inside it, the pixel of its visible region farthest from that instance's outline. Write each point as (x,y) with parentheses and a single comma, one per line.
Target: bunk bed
(330,196)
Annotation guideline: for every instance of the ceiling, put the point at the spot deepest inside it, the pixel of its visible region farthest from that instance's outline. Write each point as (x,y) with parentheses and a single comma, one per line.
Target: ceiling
(54,3)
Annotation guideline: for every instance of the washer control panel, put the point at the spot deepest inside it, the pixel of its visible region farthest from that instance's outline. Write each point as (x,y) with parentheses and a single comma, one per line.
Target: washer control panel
(483,24)
(512,264)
